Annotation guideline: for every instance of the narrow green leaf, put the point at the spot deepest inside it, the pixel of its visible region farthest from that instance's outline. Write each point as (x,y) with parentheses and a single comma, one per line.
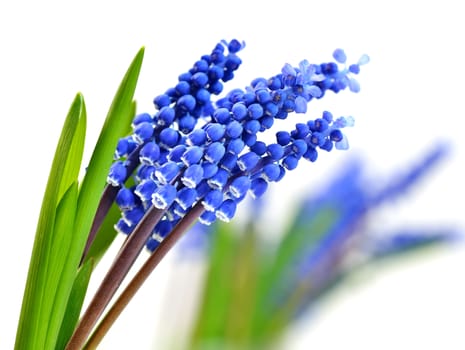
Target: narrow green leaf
(107,233)
(53,305)
(75,301)
(30,331)
(115,126)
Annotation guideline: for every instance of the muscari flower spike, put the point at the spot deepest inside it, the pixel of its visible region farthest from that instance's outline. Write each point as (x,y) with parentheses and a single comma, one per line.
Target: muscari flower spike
(196,150)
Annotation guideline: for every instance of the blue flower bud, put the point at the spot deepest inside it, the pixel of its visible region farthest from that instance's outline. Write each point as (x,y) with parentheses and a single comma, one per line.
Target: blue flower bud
(249,139)
(145,190)
(176,153)
(219,180)
(239,186)
(252,126)
(275,151)
(125,199)
(166,116)
(290,162)
(299,147)
(168,138)
(197,137)
(234,129)
(215,131)
(239,111)
(199,79)
(235,146)
(149,153)
(328,116)
(340,56)
(212,200)
(311,154)
(133,216)
(255,111)
(124,147)
(141,118)
(258,187)
(300,105)
(226,210)
(145,172)
(283,138)
(164,196)
(202,96)
(259,148)
(214,152)
(186,103)
(207,218)
(215,87)
(186,123)
(182,88)
(143,132)
(209,169)
(192,155)
(327,146)
(117,174)
(317,139)
(248,161)
(222,115)
(266,123)
(271,172)
(229,162)
(162,101)
(167,172)
(192,176)
(186,197)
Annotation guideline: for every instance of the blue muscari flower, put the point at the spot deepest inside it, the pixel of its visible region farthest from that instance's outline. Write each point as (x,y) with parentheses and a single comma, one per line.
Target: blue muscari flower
(125,199)
(117,174)
(226,210)
(164,196)
(197,150)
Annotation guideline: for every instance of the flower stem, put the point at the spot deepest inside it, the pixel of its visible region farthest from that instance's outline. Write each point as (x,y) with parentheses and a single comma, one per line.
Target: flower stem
(114,277)
(107,199)
(142,275)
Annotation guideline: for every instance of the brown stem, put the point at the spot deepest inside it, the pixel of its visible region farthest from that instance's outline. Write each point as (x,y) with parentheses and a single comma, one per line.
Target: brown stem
(114,277)
(107,199)
(108,196)
(142,275)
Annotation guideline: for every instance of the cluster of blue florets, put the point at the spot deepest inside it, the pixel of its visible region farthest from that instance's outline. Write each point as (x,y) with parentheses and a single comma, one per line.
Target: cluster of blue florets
(196,150)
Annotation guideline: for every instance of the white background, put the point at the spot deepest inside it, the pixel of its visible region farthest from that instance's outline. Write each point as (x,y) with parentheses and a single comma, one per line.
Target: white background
(412,95)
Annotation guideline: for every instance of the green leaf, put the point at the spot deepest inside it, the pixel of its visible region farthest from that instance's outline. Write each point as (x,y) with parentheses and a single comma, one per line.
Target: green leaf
(31,333)
(53,307)
(75,301)
(115,126)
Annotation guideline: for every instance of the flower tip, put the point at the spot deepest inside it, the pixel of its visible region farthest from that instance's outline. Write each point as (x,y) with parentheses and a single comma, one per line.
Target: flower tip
(340,56)
(364,59)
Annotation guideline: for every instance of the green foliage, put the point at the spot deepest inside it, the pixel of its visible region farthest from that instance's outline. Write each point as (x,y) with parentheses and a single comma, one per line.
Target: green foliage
(56,285)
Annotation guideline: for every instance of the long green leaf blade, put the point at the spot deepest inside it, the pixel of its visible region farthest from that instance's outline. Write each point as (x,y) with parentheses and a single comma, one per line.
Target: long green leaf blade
(75,301)
(30,331)
(53,307)
(115,126)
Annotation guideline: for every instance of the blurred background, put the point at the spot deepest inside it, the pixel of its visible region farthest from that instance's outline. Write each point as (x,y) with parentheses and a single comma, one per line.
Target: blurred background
(410,99)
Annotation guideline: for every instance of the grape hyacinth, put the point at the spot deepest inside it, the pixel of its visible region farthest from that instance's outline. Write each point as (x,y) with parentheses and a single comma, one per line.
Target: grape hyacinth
(194,150)
(196,158)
